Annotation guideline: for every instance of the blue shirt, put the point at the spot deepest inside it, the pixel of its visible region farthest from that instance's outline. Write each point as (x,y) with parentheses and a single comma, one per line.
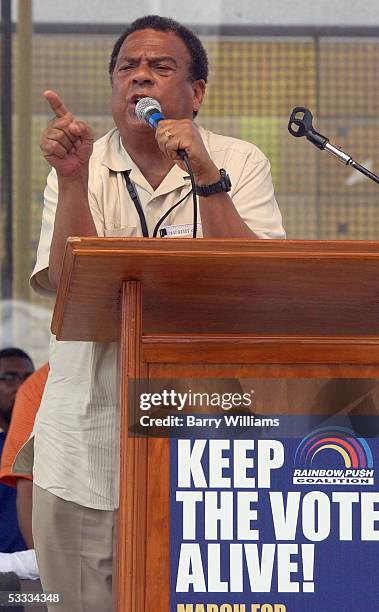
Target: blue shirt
(11,539)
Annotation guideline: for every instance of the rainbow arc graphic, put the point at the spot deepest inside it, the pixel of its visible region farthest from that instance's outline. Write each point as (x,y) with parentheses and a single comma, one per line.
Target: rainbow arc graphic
(354,450)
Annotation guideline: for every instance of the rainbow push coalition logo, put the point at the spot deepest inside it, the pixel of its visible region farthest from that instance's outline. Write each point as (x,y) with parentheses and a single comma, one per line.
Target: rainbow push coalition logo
(333,457)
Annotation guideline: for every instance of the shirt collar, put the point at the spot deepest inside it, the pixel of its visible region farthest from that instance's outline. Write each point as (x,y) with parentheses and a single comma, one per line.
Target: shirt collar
(113,155)
(117,159)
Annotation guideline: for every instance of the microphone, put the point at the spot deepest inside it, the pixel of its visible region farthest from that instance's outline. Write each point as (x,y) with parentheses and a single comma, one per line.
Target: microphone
(149,110)
(300,124)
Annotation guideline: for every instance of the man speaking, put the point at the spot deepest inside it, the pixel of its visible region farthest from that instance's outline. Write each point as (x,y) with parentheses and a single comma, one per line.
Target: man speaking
(131,182)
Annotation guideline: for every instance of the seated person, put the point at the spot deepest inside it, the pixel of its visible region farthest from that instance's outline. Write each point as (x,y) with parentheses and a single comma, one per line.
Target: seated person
(25,408)
(15,367)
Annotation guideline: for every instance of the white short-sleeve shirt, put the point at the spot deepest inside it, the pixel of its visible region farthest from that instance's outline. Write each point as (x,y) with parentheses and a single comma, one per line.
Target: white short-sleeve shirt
(76,433)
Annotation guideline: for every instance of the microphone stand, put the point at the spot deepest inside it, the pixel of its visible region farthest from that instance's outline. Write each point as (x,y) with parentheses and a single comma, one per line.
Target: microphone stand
(300,124)
(343,157)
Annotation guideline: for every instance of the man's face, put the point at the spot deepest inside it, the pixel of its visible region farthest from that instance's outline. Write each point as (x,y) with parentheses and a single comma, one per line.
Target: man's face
(154,64)
(13,372)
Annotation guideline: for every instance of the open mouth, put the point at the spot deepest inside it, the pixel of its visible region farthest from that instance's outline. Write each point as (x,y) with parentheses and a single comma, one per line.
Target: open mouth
(136,98)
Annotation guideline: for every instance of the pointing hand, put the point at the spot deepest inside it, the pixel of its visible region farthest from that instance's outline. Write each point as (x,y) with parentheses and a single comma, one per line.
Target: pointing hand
(66,143)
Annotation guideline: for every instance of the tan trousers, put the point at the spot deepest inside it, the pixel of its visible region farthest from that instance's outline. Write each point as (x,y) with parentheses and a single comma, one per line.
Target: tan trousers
(74,547)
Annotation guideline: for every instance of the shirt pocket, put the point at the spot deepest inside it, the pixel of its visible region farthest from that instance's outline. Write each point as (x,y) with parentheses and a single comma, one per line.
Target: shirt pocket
(125,230)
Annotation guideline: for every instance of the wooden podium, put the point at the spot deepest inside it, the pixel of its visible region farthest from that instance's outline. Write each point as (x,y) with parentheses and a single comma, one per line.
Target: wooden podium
(210,308)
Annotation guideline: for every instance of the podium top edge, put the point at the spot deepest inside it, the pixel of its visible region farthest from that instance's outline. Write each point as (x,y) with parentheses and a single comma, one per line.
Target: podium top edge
(230,245)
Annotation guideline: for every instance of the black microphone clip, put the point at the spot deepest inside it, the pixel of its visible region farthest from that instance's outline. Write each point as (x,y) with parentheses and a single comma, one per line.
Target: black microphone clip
(300,124)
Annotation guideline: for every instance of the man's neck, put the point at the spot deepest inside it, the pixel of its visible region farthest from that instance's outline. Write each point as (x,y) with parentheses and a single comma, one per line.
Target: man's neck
(145,153)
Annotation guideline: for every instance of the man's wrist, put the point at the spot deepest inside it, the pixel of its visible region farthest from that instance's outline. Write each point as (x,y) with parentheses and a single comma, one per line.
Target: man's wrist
(211,175)
(221,185)
(79,175)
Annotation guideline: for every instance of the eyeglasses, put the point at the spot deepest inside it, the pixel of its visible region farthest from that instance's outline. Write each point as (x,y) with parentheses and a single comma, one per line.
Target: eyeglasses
(13,377)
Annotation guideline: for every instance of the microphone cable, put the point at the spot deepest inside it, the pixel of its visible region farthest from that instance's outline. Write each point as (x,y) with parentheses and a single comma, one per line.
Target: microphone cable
(136,201)
(156,228)
(187,162)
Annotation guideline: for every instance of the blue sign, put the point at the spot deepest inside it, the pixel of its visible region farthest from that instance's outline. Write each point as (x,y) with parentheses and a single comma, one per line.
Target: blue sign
(272,523)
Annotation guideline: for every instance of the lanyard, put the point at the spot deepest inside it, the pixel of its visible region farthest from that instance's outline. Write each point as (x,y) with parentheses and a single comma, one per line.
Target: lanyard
(136,201)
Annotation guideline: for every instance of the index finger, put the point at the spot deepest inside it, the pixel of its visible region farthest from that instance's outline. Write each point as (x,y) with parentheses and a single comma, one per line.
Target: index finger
(55,103)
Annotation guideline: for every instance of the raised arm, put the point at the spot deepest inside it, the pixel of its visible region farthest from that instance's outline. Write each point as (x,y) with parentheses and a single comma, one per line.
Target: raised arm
(67,145)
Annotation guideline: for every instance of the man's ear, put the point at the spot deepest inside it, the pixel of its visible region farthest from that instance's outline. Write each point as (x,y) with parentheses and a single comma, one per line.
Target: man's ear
(198,94)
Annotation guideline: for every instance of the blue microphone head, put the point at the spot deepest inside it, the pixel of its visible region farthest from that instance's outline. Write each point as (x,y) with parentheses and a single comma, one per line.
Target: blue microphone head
(149,111)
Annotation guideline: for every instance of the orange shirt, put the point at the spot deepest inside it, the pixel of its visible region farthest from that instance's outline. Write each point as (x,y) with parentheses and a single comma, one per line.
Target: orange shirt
(24,412)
